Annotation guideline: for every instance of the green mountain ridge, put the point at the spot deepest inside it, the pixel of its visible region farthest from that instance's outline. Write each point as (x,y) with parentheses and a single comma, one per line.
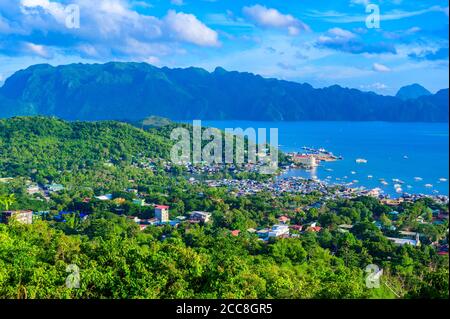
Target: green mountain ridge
(133,91)
(39,147)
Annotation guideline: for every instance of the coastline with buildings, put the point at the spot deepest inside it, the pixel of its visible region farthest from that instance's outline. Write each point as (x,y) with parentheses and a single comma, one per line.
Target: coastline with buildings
(311,157)
(374,154)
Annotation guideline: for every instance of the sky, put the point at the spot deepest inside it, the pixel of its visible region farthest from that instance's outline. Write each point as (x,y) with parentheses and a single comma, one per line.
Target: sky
(371,45)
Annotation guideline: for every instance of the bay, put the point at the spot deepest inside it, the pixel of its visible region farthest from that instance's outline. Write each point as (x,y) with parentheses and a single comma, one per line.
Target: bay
(415,153)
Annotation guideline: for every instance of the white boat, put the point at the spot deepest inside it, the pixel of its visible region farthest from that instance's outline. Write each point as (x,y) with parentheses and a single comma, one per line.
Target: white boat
(442,179)
(428,185)
(405,157)
(399,190)
(384,183)
(328,169)
(361,161)
(369,176)
(418,179)
(353,172)
(398,181)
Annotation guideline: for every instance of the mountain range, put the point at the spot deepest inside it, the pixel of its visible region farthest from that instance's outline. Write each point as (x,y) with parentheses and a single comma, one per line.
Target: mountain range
(412,91)
(133,91)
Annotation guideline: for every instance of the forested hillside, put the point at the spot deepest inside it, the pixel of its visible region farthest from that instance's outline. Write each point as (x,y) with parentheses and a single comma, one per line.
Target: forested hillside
(132,91)
(76,226)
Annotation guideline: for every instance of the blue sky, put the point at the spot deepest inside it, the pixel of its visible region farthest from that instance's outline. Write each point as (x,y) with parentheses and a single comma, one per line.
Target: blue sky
(321,42)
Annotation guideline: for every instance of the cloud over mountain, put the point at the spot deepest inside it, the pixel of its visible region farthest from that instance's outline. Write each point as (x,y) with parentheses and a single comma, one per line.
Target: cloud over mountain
(107,28)
(272,18)
(349,42)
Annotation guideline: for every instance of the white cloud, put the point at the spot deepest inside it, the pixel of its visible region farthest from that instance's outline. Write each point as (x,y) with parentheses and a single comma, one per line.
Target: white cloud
(152,60)
(141,4)
(272,18)
(340,17)
(187,28)
(4,25)
(336,36)
(53,8)
(378,67)
(37,49)
(108,28)
(347,41)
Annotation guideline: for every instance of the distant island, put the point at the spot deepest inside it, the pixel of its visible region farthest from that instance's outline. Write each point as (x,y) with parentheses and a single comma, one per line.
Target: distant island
(132,91)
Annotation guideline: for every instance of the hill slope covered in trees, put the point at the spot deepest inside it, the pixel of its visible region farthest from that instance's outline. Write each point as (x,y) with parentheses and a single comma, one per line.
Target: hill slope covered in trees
(132,91)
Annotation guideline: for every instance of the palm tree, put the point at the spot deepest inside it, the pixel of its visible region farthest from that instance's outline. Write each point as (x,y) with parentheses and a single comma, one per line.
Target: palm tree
(7,200)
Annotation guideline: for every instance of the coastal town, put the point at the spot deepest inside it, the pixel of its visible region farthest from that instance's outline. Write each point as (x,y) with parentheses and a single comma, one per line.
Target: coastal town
(132,197)
(246,188)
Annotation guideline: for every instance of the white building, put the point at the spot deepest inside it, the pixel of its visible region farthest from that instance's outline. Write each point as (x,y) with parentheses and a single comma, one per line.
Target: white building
(203,217)
(21,216)
(104,197)
(406,241)
(162,213)
(306,160)
(33,189)
(279,230)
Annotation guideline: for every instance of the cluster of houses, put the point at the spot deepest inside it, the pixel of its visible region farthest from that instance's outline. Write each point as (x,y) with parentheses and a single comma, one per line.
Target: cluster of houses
(248,187)
(284,230)
(294,184)
(281,230)
(45,191)
(218,168)
(162,218)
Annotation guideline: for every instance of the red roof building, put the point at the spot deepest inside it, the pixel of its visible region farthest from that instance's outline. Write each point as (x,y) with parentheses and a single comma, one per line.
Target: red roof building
(283,219)
(315,229)
(235,233)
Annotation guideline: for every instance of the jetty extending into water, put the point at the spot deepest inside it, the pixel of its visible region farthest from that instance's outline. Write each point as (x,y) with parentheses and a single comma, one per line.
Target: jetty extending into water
(311,157)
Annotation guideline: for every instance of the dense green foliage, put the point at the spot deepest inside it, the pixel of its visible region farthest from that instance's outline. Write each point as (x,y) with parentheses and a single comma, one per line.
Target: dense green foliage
(118,260)
(132,91)
(41,147)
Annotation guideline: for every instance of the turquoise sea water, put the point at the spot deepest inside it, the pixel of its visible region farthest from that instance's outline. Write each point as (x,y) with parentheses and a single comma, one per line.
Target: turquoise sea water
(393,151)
